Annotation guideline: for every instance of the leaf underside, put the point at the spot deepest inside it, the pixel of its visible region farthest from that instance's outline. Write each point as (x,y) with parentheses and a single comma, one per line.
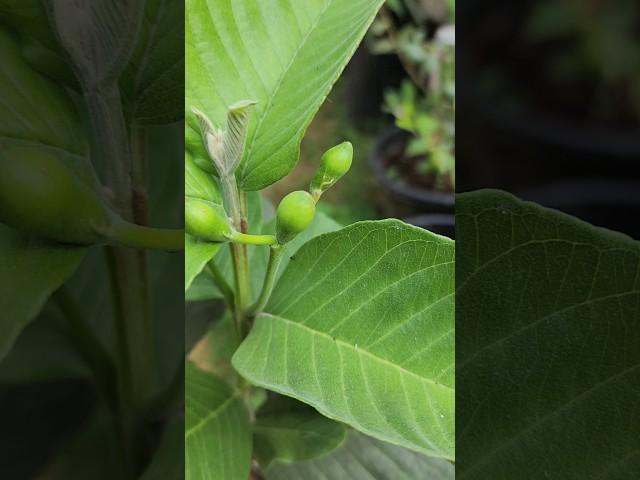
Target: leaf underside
(365,458)
(217,433)
(286,55)
(361,327)
(548,321)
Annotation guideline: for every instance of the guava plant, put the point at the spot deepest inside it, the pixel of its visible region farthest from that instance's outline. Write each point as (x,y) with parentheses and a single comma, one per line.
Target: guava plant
(89,153)
(334,345)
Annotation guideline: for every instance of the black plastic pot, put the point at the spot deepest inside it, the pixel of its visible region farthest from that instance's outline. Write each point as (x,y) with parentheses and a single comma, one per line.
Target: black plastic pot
(440,223)
(421,200)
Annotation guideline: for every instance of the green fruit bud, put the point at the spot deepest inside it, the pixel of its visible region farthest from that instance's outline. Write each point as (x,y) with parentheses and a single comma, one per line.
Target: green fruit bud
(41,193)
(333,165)
(206,220)
(295,213)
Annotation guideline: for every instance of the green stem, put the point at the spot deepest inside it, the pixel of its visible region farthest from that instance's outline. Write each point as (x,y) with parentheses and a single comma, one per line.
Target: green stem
(239,254)
(138,236)
(275,257)
(249,239)
(222,284)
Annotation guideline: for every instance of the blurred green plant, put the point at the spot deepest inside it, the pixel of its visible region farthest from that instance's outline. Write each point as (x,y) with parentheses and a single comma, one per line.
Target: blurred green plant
(598,40)
(424,104)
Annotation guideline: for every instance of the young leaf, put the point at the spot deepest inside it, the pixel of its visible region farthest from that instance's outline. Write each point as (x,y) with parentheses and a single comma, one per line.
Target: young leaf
(365,458)
(361,327)
(236,133)
(98,36)
(548,342)
(289,431)
(217,432)
(286,55)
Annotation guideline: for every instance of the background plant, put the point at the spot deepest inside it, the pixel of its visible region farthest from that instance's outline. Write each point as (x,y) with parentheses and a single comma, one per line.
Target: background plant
(304,349)
(424,104)
(88,119)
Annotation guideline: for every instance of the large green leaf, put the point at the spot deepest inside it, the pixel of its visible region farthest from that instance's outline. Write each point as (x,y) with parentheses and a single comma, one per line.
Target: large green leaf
(548,344)
(365,458)
(34,114)
(30,270)
(33,108)
(290,431)
(361,326)
(284,54)
(217,432)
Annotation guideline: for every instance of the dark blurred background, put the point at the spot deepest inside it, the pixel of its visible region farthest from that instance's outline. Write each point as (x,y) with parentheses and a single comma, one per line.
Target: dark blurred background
(549,104)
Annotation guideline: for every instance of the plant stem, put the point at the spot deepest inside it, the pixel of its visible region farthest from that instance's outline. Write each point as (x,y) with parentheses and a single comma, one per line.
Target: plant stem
(222,284)
(129,285)
(253,239)
(239,254)
(141,237)
(275,257)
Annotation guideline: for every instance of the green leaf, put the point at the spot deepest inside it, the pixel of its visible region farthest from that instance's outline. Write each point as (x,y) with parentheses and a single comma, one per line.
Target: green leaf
(30,271)
(35,114)
(154,79)
(284,54)
(548,344)
(361,327)
(33,108)
(288,431)
(217,431)
(168,460)
(365,458)
(197,255)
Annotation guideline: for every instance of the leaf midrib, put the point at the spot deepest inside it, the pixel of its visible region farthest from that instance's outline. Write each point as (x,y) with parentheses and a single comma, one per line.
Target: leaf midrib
(337,341)
(279,83)
(214,413)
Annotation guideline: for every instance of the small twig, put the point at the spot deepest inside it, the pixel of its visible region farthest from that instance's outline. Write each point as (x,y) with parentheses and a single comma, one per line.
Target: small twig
(275,257)
(222,284)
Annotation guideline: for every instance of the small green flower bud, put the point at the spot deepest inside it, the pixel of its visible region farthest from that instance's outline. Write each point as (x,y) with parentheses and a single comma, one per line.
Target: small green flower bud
(295,213)
(333,165)
(206,220)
